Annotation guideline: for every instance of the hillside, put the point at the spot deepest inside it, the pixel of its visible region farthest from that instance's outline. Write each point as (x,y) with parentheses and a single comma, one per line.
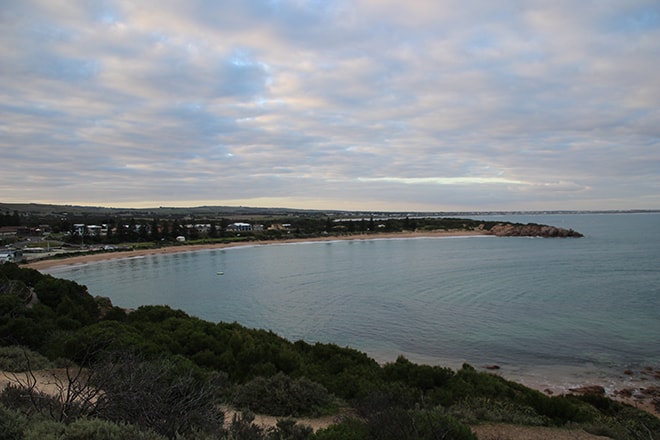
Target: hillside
(122,364)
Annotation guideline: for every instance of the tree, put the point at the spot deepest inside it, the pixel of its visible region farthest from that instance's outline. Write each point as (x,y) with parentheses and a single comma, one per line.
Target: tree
(72,395)
(52,291)
(167,397)
(121,231)
(280,395)
(132,230)
(154,233)
(143,232)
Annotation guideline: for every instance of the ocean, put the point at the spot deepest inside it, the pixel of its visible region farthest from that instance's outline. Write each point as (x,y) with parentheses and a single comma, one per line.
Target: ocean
(551,313)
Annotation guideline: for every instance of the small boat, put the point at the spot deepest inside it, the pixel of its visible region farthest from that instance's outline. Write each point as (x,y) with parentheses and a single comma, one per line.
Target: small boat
(220,273)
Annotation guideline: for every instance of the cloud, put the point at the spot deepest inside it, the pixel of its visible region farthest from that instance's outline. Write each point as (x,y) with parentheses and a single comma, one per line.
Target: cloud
(332,104)
(444,180)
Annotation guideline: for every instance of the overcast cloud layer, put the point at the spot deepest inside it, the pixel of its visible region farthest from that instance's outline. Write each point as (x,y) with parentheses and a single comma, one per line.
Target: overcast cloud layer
(360,104)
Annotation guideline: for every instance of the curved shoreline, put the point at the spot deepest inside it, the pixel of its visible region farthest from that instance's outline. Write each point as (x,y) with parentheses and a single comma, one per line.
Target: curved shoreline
(51,263)
(549,385)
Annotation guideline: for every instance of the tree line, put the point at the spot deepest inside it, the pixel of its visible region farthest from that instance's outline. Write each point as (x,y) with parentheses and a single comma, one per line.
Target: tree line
(7,219)
(120,229)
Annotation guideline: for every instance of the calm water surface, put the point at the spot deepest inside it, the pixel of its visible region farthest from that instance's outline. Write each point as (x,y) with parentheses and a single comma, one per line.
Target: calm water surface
(537,307)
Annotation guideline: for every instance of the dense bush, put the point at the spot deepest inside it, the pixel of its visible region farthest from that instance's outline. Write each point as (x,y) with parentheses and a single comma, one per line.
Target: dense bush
(166,396)
(87,429)
(287,429)
(280,395)
(12,423)
(349,429)
(394,412)
(423,377)
(344,371)
(45,430)
(13,271)
(242,427)
(479,409)
(69,299)
(16,358)
(399,423)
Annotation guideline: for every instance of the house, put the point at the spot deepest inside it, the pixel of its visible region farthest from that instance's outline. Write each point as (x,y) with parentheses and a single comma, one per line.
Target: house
(94,230)
(81,229)
(8,231)
(239,227)
(202,228)
(11,256)
(15,231)
(279,227)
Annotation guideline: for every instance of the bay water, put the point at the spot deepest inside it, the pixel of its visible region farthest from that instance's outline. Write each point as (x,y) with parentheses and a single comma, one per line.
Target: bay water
(549,312)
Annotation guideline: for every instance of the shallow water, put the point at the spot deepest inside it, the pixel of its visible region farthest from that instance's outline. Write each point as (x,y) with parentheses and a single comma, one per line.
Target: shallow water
(536,307)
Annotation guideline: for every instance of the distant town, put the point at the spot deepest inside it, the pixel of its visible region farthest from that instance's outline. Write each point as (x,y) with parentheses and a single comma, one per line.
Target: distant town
(36,231)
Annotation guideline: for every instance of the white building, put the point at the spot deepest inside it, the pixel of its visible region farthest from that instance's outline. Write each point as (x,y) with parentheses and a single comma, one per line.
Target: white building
(11,256)
(239,227)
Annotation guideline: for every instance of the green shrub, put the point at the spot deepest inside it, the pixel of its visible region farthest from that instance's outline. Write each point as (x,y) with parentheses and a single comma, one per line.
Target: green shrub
(30,402)
(562,409)
(95,429)
(399,423)
(87,429)
(349,429)
(13,271)
(345,372)
(432,424)
(161,395)
(280,395)
(288,429)
(481,409)
(45,430)
(243,428)
(424,377)
(627,423)
(12,423)
(15,358)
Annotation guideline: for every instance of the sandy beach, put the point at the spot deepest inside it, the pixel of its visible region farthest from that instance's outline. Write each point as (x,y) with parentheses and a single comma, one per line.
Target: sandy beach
(111,255)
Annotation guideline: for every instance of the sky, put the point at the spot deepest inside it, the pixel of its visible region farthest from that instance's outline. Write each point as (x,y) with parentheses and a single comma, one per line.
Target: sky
(379,105)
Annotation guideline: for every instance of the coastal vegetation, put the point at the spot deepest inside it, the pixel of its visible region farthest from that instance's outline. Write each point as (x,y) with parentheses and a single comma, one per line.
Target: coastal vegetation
(157,372)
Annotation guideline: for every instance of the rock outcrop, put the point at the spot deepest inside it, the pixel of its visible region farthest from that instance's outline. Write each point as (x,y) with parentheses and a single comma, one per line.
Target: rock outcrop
(595,390)
(531,230)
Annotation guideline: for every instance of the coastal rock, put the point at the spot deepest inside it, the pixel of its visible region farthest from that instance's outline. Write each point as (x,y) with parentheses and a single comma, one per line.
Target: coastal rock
(589,389)
(625,392)
(651,391)
(492,367)
(531,230)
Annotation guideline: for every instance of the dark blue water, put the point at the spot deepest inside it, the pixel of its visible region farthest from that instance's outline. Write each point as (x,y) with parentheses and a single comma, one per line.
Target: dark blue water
(526,304)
